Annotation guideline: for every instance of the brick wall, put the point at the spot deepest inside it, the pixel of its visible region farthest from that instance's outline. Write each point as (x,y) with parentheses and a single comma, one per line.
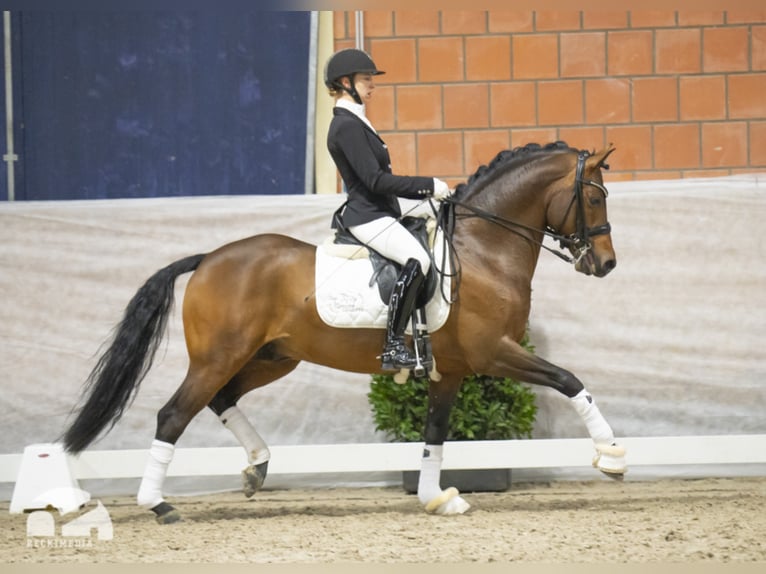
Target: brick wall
(680,94)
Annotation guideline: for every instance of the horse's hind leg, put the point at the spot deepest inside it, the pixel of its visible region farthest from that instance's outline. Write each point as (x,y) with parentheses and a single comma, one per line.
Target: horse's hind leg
(255,374)
(197,390)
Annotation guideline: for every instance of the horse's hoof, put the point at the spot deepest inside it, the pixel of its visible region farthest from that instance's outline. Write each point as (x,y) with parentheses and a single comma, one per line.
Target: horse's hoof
(166,514)
(610,459)
(448,502)
(253,477)
(618,476)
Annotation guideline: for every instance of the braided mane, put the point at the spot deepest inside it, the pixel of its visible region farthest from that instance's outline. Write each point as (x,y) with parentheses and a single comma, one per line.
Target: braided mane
(509,159)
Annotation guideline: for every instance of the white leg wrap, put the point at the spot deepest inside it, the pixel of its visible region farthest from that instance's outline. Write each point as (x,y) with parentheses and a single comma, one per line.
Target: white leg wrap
(235,420)
(598,428)
(430,471)
(431,496)
(150,491)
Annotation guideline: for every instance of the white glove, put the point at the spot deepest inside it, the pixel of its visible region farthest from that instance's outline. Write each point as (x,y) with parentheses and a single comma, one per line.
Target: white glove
(441,190)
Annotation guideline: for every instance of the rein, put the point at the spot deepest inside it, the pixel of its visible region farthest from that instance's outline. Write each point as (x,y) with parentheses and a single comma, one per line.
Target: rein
(578,241)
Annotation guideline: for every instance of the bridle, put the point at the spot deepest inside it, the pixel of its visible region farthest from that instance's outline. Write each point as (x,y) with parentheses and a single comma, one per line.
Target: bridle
(578,242)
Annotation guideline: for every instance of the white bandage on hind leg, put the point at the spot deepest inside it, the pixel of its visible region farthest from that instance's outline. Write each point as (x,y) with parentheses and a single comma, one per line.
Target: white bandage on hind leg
(236,421)
(598,428)
(430,473)
(150,491)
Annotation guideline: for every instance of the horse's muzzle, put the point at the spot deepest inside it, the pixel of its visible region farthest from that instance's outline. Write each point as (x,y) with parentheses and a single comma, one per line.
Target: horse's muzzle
(592,264)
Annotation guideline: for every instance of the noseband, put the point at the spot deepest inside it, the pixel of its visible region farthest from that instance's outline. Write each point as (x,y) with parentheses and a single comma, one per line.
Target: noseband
(578,242)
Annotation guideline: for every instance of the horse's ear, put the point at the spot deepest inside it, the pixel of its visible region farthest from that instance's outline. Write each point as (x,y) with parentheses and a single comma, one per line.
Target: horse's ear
(598,159)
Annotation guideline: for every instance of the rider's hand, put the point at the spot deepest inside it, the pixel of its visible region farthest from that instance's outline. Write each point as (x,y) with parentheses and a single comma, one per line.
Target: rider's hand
(441,190)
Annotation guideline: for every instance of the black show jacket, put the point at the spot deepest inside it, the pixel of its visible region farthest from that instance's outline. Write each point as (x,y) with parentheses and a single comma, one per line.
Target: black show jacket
(363,161)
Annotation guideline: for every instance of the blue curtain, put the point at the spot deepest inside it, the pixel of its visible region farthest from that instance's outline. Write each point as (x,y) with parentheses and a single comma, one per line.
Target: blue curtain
(147,104)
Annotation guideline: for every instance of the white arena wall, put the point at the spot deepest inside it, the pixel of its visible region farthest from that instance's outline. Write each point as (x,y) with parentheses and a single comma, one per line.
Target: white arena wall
(671,344)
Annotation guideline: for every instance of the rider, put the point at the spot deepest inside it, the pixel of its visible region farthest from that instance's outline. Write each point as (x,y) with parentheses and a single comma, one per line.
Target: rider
(372,211)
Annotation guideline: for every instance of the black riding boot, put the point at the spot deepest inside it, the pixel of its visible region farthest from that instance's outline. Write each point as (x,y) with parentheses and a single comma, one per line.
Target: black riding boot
(396,354)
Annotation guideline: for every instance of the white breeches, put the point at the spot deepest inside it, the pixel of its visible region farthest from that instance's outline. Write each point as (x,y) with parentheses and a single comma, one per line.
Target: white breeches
(389,238)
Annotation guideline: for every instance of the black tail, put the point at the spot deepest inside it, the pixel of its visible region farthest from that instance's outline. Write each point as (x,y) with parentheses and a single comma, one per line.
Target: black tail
(116,377)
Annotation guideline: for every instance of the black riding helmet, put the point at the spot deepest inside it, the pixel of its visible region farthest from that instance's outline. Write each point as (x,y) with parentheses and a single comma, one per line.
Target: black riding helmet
(347,63)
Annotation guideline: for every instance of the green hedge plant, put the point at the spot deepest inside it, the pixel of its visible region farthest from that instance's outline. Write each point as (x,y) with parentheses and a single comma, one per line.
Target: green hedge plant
(486,408)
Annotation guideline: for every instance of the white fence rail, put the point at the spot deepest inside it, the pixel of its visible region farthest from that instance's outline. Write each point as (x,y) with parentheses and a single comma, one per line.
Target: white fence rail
(338,458)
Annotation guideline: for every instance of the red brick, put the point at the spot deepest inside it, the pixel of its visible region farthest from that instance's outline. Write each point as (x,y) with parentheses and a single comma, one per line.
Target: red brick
(418,107)
(678,51)
(380,110)
(343,44)
(560,103)
(378,23)
(629,53)
(676,146)
(464,22)
(488,57)
(598,20)
(655,99)
(758,47)
(521,137)
(724,144)
(511,21)
(535,56)
(440,59)
(588,138)
(403,151)
(583,54)
(758,143)
(725,49)
(397,57)
(607,101)
(466,106)
(482,146)
(702,97)
(440,154)
(416,22)
(700,18)
(745,16)
(649,175)
(746,96)
(611,175)
(634,147)
(550,20)
(513,104)
(339,28)
(696,173)
(652,19)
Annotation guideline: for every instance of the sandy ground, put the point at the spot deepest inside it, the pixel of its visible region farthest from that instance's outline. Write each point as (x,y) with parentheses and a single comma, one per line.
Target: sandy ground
(709,520)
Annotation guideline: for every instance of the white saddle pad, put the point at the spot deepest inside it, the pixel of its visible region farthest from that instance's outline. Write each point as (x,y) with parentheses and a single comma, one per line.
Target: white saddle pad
(345,299)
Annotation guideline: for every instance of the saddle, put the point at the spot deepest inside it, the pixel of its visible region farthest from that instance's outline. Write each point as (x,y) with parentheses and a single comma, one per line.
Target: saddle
(385,271)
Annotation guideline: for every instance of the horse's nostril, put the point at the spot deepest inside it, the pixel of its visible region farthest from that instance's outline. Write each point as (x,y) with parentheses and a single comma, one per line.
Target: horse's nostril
(609,265)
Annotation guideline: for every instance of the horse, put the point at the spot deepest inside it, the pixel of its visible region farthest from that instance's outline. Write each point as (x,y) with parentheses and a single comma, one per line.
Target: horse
(249,319)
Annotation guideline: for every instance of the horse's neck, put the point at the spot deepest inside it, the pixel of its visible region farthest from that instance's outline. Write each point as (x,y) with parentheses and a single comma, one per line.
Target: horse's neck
(513,248)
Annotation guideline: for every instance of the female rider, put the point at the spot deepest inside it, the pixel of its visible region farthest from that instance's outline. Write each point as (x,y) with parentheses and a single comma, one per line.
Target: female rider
(372,211)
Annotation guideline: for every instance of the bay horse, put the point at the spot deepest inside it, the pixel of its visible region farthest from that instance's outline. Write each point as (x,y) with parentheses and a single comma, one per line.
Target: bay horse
(249,319)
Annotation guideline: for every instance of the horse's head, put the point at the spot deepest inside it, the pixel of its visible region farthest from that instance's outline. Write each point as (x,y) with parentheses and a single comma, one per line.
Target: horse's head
(578,213)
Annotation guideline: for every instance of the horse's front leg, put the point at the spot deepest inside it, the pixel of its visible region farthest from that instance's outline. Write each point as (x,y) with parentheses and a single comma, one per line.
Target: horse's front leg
(441,396)
(516,362)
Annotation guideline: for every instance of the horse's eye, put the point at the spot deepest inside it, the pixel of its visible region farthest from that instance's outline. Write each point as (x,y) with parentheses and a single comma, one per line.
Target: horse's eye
(594,201)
